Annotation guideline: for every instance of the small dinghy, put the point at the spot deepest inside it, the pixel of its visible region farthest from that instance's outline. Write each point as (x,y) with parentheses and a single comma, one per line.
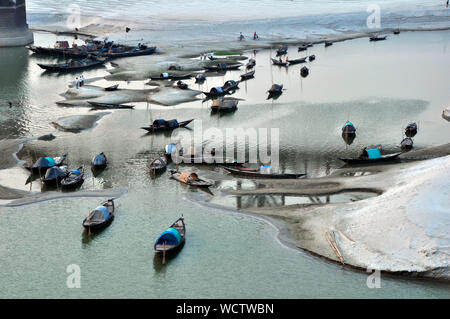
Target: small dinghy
(100,217)
(230,85)
(411,130)
(279,62)
(282,51)
(371,155)
(54,176)
(160,125)
(44,163)
(73,65)
(172,238)
(261,172)
(275,91)
(158,165)
(302,48)
(99,161)
(248,75)
(251,64)
(377,38)
(74,180)
(348,128)
(224,105)
(407,144)
(112,87)
(189,178)
(304,72)
(328,43)
(200,78)
(102,106)
(173,77)
(181,85)
(312,58)
(223,67)
(396,32)
(228,88)
(297,61)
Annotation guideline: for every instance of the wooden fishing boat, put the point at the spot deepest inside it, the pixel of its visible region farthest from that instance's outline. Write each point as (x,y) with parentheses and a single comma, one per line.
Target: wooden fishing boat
(312,58)
(248,75)
(60,52)
(224,105)
(124,52)
(112,87)
(302,48)
(297,61)
(362,160)
(328,43)
(304,71)
(396,32)
(230,85)
(173,77)
(377,38)
(98,105)
(348,137)
(407,144)
(223,67)
(181,85)
(189,178)
(279,62)
(282,51)
(256,172)
(44,163)
(228,88)
(100,217)
(371,155)
(348,128)
(74,180)
(99,161)
(251,64)
(411,130)
(73,65)
(158,165)
(200,78)
(54,175)
(276,89)
(160,125)
(172,238)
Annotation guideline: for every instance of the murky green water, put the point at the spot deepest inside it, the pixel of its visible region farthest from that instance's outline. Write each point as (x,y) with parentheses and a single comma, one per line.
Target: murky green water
(380,87)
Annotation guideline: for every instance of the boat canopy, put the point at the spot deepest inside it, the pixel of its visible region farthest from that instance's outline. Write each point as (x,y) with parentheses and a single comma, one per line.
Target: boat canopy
(170,236)
(44,162)
(55,172)
(76,171)
(217,89)
(98,215)
(266,169)
(164,75)
(100,159)
(172,123)
(348,123)
(373,153)
(171,148)
(159,122)
(222,65)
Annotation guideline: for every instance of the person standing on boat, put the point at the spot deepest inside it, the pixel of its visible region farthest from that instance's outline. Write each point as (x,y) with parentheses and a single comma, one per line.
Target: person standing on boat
(77,83)
(81,80)
(241,37)
(255,36)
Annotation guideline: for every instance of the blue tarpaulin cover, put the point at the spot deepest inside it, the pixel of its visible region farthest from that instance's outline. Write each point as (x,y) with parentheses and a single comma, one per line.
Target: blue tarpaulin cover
(104,211)
(171,236)
(373,153)
(159,122)
(51,161)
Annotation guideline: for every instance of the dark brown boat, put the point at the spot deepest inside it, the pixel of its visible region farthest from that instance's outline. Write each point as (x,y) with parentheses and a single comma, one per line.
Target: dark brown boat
(100,217)
(248,75)
(160,125)
(98,105)
(172,238)
(255,172)
(297,61)
(189,178)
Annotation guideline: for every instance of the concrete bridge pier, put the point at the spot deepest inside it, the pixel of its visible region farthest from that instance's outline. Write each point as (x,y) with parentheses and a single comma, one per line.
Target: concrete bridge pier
(13,24)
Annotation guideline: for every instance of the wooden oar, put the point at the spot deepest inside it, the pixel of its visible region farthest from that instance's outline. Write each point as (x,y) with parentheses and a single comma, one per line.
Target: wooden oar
(164,253)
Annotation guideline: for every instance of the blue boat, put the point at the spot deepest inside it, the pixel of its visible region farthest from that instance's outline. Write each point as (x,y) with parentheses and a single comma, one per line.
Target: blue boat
(100,217)
(348,128)
(172,238)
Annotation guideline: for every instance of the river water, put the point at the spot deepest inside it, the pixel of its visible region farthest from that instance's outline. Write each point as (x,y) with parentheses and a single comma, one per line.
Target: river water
(378,86)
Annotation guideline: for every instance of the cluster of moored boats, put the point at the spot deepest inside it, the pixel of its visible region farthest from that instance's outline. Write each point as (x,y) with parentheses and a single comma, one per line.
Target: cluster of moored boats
(93,54)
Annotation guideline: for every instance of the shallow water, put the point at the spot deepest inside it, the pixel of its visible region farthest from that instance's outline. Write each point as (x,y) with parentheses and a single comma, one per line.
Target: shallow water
(227,254)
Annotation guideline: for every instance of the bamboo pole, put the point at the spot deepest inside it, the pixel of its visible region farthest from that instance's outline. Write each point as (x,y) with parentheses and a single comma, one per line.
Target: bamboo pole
(164,253)
(334,247)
